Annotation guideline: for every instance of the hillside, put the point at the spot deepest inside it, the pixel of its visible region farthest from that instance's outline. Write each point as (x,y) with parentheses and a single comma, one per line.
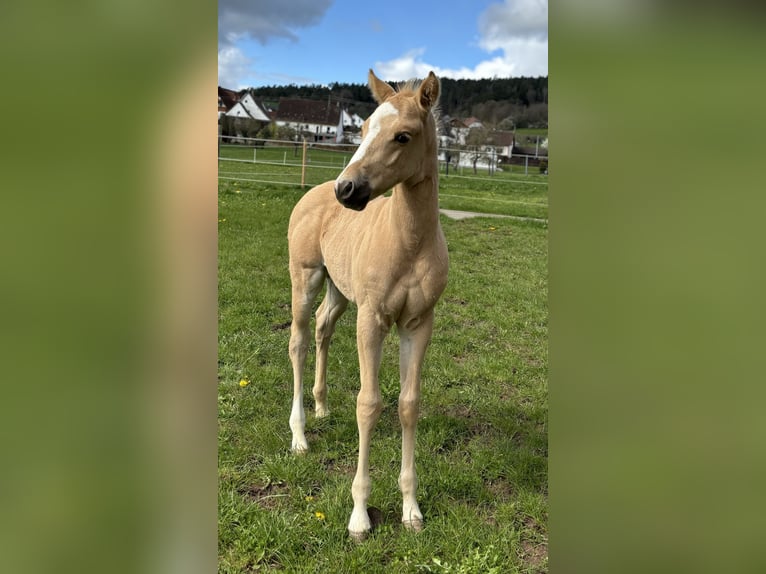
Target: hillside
(524,100)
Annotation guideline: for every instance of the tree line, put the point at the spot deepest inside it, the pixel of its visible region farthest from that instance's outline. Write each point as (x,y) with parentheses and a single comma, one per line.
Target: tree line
(503,103)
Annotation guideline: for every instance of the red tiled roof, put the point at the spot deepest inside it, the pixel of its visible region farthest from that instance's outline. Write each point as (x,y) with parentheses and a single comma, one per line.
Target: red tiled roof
(502,138)
(307,111)
(228,97)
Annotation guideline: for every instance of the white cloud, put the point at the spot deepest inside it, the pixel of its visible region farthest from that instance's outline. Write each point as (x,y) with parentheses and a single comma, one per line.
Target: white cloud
(233,68)
(517,28)
(513,20)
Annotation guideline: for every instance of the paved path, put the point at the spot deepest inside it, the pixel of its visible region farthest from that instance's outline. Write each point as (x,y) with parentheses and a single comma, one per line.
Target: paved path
(453,214)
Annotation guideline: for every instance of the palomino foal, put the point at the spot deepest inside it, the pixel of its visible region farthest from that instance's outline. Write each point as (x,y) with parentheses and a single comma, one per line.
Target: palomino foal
(388,256)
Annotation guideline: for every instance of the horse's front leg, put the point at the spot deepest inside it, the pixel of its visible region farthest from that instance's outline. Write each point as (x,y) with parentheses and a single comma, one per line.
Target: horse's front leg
(414,337)
(370,332)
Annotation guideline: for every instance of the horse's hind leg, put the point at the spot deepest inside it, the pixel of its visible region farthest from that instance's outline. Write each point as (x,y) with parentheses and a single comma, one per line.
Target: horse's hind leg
(306,283)
(414,338)
(332,307)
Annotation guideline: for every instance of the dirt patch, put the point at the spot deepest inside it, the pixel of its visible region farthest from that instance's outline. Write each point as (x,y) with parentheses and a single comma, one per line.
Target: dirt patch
(337,467)
(533,525)
(500,488)
(281,326)
(474,424)
(535,554)
(265,496)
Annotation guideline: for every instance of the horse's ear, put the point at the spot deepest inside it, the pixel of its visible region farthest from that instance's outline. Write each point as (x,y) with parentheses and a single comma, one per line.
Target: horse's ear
(381,91)
(428,92)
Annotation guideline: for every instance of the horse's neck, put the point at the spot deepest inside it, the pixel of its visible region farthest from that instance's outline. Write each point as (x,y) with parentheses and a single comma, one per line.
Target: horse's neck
(415,208)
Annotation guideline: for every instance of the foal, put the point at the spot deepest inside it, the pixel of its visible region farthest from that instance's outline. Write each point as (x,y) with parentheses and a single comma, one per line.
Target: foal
(388,256)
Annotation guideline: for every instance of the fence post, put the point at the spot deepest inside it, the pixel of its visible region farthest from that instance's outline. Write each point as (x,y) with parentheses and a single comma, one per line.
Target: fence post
(303,165)
(526,165)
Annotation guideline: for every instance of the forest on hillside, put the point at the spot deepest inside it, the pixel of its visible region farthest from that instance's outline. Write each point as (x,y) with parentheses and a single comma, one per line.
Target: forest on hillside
(503,103)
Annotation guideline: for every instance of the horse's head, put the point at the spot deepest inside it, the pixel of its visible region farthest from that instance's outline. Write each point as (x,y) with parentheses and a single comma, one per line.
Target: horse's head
(396,139)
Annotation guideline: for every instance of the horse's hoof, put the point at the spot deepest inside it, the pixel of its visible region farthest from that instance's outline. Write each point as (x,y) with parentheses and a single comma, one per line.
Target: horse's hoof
(321,412)
(358,537)
(414,525)
(361,525)
(300,447)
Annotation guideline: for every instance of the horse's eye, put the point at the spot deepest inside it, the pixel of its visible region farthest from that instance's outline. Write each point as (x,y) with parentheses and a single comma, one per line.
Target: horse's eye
(402,137)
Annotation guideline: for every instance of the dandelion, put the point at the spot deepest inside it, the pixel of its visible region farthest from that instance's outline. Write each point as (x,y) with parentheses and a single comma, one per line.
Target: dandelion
(319,515)
(309,498)
(237,191)
(243,383)
(492,228)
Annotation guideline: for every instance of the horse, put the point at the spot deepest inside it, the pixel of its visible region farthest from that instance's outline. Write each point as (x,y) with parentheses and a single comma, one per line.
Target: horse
(388,255)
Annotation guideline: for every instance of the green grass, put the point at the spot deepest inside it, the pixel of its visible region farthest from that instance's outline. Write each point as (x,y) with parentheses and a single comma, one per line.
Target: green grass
(503,193)
(482,437)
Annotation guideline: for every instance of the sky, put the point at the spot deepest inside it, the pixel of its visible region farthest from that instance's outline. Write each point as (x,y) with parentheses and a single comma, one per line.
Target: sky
(279,42)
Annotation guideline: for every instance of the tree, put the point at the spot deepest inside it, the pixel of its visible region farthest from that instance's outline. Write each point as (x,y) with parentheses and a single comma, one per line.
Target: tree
(475,142)
(506,124)
(490,100)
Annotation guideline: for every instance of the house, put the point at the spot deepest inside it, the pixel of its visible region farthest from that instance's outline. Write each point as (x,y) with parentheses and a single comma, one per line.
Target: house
(502,141)
(352,120)
(240,115)
(248,108)
(472,122)
(314,119)
(460,128)
(226,100)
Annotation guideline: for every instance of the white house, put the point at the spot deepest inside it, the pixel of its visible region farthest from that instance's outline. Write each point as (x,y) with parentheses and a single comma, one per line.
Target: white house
(314,119)
(352,120)
(248,108)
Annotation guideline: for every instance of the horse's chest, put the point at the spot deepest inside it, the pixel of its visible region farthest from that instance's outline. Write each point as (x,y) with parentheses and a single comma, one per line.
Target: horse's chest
(386,275)
(409,289)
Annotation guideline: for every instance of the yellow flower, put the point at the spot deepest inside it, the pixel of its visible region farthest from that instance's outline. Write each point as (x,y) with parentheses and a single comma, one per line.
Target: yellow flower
(319,515)
(237,191)
(244,383)
(309,499)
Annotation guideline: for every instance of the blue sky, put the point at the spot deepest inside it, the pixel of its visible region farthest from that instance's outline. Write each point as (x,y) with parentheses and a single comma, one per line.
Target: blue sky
(266,42)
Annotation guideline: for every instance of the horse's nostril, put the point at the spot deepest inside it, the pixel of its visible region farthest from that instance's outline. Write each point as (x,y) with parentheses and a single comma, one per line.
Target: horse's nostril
(344,189)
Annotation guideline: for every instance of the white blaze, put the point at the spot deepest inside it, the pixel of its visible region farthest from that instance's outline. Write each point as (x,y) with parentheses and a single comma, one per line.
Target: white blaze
(373,129)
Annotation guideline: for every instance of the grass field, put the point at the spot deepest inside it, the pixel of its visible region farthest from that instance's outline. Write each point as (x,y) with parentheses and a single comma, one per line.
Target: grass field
(502,193)
(482,437)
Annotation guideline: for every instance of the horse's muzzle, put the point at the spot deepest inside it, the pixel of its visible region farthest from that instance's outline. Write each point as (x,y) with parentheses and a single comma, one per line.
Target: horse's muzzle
(352,195)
